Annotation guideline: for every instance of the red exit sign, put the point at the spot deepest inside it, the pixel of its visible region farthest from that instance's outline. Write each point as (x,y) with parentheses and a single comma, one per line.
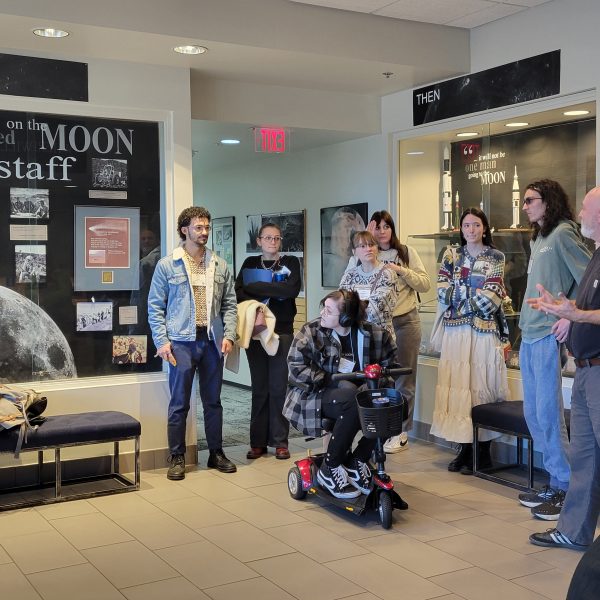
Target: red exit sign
(273,140)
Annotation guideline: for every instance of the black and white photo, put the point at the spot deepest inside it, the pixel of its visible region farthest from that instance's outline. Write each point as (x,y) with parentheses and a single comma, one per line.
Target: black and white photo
(29,203)
(30,263)
(292,229)
(109,173)
(94,316)
(253,223)
(338,225)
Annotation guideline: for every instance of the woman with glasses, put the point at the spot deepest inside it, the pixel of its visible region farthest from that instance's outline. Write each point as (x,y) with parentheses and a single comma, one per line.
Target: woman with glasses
(269,374)
(373,281)
(411,279)
(471,370)
(339,341)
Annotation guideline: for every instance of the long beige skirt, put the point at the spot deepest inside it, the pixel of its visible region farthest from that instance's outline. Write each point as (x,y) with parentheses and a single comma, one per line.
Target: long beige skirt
(471,372)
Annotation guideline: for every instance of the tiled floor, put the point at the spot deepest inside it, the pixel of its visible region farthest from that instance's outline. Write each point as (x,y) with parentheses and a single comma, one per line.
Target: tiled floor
(240,536)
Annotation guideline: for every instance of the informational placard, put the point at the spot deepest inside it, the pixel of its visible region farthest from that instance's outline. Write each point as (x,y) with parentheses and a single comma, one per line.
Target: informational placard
(107,243)
(105,240)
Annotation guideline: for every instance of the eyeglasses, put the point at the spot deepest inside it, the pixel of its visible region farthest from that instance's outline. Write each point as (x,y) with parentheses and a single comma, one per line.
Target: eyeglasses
(200,228)
(530,199)
(271,238)
(325,310)
(367,245)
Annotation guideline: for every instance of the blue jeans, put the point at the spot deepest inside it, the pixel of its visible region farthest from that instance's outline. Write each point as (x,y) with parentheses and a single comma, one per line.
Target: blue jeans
(579,515)
(543,406)
(203,356)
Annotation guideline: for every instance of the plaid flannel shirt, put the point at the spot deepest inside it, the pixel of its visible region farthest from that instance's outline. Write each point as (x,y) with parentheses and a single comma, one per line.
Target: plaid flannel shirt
(314,354)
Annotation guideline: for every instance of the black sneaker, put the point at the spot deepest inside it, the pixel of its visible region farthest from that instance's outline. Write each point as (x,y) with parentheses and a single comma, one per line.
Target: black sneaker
(552,538)
(335,481)
(533,499)
(177,469)
(550,510)
(359,475)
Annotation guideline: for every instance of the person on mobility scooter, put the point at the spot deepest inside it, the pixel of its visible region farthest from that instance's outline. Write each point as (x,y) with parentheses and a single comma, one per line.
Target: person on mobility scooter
(340,341)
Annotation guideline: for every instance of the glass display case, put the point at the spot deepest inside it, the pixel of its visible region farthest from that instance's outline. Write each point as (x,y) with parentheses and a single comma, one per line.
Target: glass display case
(488,167)
(80,230)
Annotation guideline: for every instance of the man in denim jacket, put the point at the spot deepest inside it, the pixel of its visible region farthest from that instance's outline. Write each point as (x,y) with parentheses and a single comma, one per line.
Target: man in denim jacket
(192,311)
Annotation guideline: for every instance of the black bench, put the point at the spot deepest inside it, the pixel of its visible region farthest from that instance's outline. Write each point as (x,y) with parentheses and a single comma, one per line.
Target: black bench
(64,431)
(507,418)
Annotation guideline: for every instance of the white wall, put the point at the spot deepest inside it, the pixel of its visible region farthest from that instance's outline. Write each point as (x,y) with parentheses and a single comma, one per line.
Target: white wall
(145,92)
(345,173)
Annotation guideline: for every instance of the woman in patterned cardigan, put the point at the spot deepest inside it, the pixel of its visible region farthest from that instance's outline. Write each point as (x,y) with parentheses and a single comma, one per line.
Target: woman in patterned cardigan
(472,370)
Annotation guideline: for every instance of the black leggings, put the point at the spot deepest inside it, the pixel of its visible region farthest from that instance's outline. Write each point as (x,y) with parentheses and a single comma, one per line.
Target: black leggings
(340,404)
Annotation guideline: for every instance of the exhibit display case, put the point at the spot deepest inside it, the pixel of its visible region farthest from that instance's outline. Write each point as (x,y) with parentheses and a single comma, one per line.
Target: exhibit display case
(80,231)
(488,166)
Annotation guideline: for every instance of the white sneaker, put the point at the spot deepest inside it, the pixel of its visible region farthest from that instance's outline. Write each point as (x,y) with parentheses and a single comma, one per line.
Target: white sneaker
(396,443)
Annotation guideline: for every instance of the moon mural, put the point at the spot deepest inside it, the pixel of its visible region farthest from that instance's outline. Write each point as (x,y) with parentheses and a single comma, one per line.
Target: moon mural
(33,347)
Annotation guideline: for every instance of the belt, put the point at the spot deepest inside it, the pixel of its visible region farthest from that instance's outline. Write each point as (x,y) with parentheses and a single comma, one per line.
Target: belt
(587,362)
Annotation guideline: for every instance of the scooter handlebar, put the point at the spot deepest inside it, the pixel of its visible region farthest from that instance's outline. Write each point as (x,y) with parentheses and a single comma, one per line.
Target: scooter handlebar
(393,372)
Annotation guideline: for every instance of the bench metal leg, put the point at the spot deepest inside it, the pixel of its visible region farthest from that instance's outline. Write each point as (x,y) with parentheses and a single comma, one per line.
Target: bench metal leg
(116,459)
(40,466)
(530,461)
(137,463)
(58,474)
(475,448)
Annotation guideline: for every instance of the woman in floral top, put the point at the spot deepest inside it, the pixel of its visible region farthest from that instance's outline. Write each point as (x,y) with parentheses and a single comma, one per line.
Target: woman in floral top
(373,281)
(471,369)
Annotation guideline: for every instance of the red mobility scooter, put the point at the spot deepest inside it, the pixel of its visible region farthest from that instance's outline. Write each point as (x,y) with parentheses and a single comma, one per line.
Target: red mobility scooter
(381,413)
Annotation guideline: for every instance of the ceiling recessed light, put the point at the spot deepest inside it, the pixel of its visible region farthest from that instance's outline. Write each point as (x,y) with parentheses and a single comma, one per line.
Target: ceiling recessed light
(48,32)
(576,113)
(466,134)
(516,124)
(229,142)
(190,49)
(415,153)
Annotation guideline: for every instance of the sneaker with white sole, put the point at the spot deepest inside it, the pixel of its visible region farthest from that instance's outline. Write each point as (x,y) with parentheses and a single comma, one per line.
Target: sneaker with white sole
(552,538)
(335,481)
(550,510)
(359,475)
(533,499)
(396,443)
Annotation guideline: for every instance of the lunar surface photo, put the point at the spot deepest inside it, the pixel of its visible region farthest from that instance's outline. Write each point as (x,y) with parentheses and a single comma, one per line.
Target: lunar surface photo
(33,346)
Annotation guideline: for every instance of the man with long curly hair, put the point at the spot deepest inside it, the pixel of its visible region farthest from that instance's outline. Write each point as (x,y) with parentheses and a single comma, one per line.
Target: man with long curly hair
(558,260)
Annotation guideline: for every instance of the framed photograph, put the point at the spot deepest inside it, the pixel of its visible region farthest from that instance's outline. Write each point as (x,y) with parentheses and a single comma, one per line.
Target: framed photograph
(30,263)
(338,225)
(253,224)
(94,316)
(29,203)
(223,240)
(293,232)
(107,242)
(109,173)
(129,349)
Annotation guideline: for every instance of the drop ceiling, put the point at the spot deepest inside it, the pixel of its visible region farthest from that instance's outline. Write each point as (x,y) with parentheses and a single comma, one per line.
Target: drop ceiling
(455,13)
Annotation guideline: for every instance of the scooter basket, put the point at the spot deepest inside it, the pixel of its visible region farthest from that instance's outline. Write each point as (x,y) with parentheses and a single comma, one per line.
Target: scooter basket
(381,412)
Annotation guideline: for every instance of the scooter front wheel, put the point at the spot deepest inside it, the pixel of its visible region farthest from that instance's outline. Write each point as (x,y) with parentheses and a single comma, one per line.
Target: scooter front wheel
(385,508)
(295,484)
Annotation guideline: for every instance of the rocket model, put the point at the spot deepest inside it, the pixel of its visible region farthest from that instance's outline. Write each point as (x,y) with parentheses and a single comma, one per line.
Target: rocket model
(457,210)
(516,201)
(447,191)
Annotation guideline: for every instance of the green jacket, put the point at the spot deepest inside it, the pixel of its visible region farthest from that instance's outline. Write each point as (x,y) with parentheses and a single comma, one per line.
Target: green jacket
(557,262)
